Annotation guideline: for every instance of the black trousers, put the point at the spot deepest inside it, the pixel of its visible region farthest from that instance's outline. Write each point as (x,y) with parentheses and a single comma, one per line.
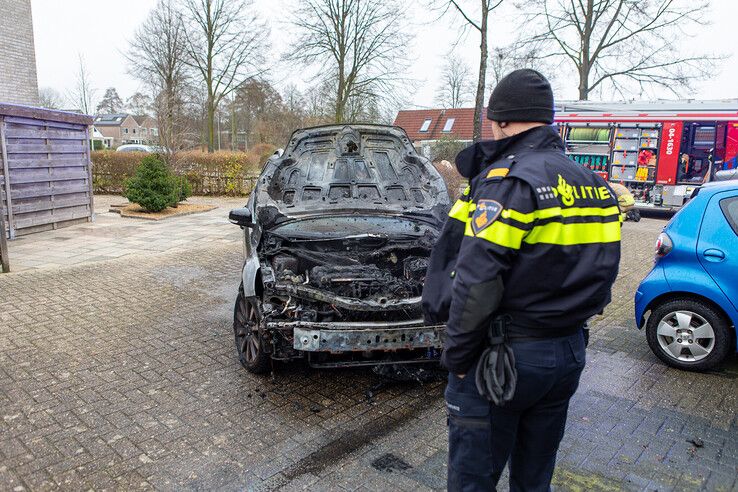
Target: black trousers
(526,431)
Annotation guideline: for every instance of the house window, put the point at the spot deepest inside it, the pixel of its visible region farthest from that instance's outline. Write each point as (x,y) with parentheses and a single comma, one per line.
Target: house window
(426,124)
(143,131)
(125,130)
(134,131)
(449,124)
(154,132)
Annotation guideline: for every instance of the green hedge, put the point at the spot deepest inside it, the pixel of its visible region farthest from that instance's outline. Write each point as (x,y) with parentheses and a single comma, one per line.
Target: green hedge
(219,173)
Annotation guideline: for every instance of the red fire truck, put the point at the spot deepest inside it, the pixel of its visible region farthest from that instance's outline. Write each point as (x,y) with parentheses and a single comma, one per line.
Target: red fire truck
(660,151)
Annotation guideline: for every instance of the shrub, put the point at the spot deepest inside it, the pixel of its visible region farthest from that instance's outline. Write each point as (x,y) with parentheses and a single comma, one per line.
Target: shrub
(110,169)
(263,152)
(454,181)
(218,173)
(153,187)
(446,148)
(184,188)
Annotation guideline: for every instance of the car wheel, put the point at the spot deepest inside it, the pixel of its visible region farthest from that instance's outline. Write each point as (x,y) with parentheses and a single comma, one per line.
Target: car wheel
(688,334)
(249,345)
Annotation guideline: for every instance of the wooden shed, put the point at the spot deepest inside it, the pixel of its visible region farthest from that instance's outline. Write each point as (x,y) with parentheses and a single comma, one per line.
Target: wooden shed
(45,169)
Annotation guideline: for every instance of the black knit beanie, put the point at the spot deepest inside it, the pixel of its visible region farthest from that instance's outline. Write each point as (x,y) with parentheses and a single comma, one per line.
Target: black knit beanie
(522,95)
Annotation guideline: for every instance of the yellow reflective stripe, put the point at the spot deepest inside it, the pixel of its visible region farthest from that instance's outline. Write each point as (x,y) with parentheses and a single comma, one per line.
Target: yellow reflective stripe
(466,191)
(509,213)
(571,234)
(590,211)
(547,213)
(499,233)
(460,211)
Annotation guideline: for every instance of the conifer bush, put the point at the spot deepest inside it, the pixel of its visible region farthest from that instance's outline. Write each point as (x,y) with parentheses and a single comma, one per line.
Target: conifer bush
(153,187)
(184,189)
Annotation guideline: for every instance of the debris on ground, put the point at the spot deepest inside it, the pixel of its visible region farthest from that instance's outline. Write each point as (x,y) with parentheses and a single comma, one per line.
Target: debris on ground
(404,372)
(696,441)
(374,390)
(389,462)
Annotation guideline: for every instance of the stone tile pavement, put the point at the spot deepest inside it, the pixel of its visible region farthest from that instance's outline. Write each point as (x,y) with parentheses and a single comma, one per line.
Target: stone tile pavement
(111,236)
(121,374)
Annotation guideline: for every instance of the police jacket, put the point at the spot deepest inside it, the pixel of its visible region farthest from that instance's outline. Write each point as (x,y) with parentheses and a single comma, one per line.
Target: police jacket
(535,236)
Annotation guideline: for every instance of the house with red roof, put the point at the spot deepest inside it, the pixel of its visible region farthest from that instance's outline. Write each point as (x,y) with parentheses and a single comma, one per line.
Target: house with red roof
(425,126)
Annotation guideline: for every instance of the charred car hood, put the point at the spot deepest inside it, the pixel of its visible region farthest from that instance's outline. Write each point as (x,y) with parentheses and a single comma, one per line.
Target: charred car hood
(349,169)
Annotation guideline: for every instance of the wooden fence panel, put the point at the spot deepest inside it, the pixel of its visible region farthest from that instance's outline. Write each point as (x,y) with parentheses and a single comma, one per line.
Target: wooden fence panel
(46,169)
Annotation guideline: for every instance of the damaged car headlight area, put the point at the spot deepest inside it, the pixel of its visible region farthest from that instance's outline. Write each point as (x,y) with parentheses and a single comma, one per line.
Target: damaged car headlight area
(338,232)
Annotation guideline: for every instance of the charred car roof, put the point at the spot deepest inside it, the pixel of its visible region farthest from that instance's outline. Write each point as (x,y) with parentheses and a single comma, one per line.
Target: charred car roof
(339,169)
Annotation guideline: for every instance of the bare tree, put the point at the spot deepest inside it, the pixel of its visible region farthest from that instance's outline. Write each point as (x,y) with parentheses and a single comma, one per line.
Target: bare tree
(502,61)
(477,19)
(505,59)
(157,56)
(319,103)
(50,98)
(255,101)
(295,111)
(139,103)
(225,43)
(625,44)
(358,45)
(455,88)
(82,94)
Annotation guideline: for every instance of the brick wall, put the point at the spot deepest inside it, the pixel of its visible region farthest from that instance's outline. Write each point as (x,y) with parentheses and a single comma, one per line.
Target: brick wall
(18,83)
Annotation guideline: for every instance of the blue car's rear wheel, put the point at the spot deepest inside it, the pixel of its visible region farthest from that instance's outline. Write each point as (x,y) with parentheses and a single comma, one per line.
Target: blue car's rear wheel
(688,334)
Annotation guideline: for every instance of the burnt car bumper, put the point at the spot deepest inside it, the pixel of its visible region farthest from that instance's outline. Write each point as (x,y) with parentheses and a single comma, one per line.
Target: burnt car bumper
(340,337)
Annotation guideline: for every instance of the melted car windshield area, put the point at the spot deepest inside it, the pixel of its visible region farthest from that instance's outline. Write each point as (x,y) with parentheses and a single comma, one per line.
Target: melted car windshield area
(346,166)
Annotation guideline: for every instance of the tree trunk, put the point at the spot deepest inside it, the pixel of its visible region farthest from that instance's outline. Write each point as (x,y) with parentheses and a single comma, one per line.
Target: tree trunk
(339,110)
(210,35)
(479,104)
(166,125)
(234,129)
(585,64)
(340,102)
(583,83)
(211,124)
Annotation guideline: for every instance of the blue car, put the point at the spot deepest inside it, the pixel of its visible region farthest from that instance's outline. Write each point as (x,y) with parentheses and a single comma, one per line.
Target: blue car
(689,301)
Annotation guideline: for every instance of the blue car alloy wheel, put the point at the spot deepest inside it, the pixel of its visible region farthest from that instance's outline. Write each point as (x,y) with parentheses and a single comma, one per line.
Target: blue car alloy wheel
(688,334)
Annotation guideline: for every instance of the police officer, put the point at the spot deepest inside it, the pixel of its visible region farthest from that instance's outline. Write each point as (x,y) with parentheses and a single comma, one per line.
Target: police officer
(534,241)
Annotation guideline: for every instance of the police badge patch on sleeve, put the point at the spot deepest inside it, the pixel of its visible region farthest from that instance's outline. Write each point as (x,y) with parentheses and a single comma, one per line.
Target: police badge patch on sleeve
(485,214)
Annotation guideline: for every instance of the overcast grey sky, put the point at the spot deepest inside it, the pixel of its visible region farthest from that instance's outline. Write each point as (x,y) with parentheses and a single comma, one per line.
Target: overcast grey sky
(99,30)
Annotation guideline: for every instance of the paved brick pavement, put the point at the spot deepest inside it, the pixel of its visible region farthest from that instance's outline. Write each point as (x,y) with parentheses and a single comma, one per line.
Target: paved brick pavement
(112,236)
(121,374)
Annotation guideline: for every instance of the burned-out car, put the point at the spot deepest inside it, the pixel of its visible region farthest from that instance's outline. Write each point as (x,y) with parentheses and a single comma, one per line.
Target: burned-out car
(337,233)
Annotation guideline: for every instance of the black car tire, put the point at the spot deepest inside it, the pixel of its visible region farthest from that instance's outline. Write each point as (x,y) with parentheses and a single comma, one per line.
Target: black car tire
(249,343)
(720,327)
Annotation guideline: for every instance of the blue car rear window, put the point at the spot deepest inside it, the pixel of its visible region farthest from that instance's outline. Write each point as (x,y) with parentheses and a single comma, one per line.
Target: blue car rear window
(729,206)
